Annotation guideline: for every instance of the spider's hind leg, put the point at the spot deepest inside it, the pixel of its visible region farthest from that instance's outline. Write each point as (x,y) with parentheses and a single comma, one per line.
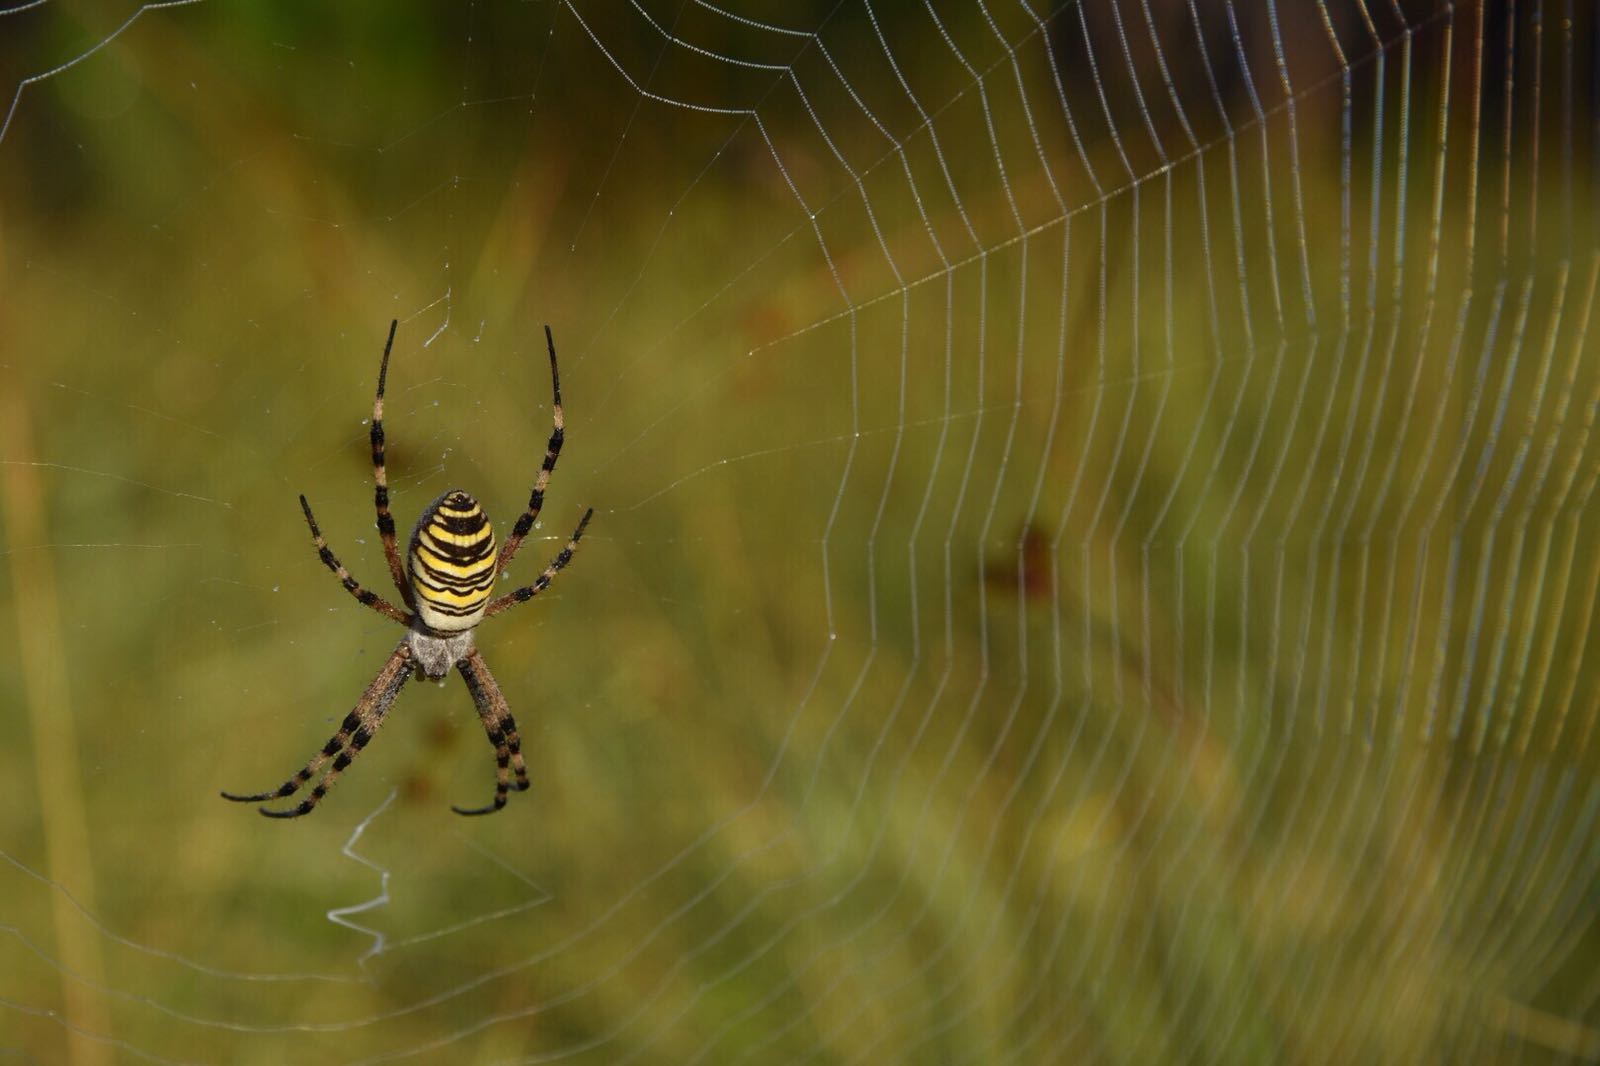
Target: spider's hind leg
(501,728)
(334,746)
(354,733)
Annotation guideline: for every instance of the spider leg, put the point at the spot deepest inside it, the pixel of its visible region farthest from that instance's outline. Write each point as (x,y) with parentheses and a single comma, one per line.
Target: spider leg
(365,596)
(552,452)
(511,599)
(501,727)
(380,480)
(354,733)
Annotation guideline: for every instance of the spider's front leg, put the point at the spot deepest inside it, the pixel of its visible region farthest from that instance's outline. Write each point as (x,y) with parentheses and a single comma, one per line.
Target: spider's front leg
(501,728)
(380,480)
(552,452)
(365,597)
(563,557)
(354,732)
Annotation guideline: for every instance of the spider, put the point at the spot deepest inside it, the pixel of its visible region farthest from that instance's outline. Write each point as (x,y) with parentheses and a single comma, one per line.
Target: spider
(450,568)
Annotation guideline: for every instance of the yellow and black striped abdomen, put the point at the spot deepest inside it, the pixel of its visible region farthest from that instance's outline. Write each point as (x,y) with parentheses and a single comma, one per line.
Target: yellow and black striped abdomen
(451,561)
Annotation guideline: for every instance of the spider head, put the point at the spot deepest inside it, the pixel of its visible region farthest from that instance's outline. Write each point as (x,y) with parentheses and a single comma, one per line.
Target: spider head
(451,562)
(435,654)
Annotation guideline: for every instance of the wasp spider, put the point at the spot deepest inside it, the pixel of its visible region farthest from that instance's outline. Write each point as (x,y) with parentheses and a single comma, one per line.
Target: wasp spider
(450,569)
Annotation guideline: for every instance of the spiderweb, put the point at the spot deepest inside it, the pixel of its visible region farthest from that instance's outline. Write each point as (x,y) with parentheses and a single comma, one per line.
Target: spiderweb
(1093,553)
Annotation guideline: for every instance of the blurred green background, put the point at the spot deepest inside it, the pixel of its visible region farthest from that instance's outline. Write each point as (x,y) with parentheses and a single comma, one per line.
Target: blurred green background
(1093,555)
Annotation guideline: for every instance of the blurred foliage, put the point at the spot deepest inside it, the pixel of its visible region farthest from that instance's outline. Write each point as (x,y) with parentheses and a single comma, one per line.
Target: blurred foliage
(1013,612)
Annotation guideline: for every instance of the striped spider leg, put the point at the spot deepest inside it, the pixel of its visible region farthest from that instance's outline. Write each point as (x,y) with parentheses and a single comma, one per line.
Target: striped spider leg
(446,581)
(501,727)
(380,479)
(343,747)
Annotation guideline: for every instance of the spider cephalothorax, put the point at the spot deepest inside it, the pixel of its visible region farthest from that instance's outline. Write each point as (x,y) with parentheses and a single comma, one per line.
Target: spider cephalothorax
(447,582)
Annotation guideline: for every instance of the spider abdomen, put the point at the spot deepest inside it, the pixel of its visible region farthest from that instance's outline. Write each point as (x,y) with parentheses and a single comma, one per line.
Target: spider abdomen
(452,563)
